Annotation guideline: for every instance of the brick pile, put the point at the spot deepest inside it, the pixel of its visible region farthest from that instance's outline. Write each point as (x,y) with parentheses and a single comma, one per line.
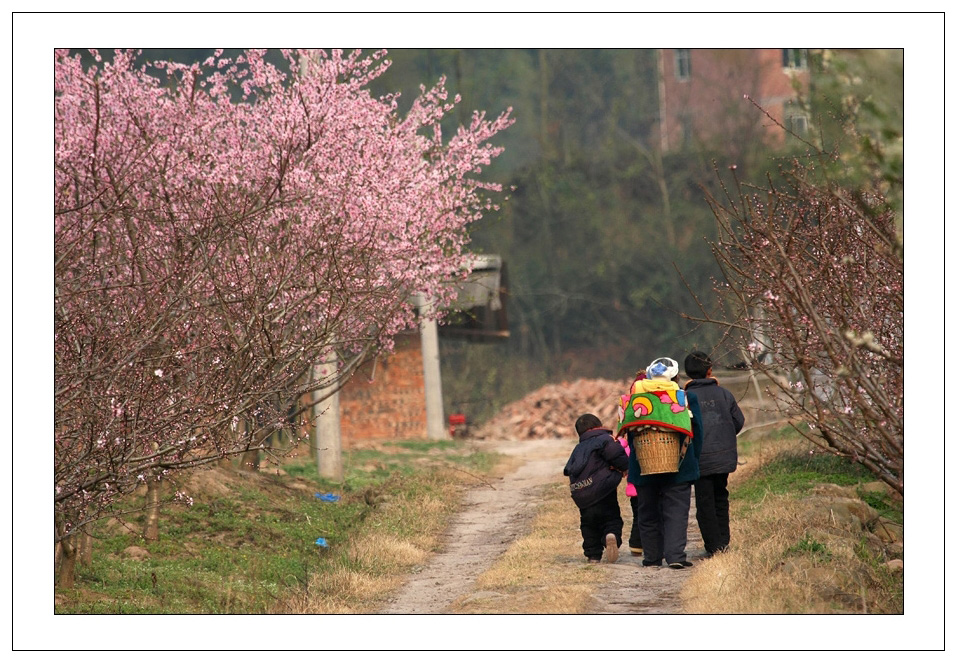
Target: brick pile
(550,412)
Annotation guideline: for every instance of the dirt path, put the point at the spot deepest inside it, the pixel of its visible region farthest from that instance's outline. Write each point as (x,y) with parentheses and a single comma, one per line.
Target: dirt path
(493,517)
(632,589)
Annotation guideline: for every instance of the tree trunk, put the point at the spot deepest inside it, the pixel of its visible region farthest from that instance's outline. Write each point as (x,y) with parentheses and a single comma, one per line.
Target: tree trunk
(85,549)
(327,433)
(151,527)
(250,461)
(67,576)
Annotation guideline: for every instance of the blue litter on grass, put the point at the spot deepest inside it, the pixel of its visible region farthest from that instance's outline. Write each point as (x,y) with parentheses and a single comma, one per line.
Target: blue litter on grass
(328,497)
(322,542)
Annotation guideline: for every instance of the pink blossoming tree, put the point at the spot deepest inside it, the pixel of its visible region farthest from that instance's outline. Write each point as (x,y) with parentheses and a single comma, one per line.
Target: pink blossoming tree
(814,283)
(210,250)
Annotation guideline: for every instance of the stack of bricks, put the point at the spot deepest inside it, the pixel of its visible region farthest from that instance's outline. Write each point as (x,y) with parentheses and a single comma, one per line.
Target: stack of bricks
(550,412)
(388,404)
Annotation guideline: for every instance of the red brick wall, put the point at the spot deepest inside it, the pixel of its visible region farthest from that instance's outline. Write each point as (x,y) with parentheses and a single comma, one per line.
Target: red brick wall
(392,406)
(712,99)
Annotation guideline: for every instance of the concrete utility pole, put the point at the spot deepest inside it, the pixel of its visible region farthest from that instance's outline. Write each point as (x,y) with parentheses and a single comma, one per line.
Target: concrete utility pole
(326,430)
(429,332)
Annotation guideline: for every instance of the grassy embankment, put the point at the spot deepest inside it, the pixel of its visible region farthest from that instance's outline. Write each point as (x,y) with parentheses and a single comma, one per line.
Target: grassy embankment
(248,543)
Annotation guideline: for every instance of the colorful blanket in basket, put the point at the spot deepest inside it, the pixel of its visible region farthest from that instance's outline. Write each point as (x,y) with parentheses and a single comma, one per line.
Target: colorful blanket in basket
(666,409)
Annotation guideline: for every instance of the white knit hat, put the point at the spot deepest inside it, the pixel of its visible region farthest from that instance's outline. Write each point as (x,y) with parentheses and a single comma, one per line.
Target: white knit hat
(663,367)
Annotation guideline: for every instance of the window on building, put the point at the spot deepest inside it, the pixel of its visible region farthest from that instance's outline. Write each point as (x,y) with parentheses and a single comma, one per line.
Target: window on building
(794,58)
(682,63)
(797,123)
(795,118)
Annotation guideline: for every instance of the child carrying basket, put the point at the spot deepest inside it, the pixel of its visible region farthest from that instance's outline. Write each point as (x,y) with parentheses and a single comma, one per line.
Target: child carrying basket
(662,424)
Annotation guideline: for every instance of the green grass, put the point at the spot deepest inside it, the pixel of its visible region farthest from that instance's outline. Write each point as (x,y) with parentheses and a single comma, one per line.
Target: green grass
(749,441)
(891,509)
(803,466)
(797,472)
(228,555)
(240,553)
(808,546)
(423,446)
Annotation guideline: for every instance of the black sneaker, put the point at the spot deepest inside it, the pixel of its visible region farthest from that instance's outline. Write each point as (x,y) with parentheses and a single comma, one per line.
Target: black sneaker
(646,562)
(680,565)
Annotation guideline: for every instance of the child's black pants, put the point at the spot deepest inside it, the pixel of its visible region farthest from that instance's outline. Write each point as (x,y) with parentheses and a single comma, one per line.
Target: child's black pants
(599,520)
(711,502)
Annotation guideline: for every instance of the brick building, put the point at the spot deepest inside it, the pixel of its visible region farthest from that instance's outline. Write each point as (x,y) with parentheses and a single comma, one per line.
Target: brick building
(701,95)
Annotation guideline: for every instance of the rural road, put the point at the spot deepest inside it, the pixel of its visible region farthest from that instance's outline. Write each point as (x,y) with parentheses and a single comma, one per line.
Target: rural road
(493,517)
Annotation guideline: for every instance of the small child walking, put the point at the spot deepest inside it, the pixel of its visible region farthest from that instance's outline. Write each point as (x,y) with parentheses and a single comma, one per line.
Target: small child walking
(594,470)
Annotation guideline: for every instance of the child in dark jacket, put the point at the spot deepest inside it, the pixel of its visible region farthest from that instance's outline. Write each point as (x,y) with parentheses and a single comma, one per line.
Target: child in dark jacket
(594,470)
(722,420)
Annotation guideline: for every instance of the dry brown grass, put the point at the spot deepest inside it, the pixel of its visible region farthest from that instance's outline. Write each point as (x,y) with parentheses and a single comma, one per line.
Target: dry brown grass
(765,574)
(541,573)
(378,564)
(747,578)
(789,559)
(378,560)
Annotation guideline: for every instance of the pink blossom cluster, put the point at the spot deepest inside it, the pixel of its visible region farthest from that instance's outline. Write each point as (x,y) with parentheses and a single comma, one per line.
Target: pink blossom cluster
(210,249)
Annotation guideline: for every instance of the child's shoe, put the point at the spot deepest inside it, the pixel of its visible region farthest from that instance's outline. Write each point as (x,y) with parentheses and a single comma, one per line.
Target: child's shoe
(611,548)
(636,552)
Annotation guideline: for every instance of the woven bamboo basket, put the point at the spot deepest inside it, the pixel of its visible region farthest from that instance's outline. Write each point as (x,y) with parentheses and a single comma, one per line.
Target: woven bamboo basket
(657,451)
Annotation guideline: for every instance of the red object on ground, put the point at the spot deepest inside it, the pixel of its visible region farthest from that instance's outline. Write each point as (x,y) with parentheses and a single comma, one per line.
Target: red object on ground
(455,420)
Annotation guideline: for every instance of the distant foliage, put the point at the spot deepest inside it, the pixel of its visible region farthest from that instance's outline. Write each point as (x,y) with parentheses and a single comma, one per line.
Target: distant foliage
(595,224)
